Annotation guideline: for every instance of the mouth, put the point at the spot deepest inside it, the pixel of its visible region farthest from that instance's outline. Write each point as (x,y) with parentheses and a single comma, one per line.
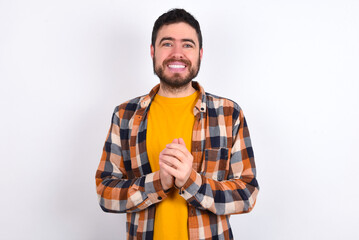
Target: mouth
(176,66)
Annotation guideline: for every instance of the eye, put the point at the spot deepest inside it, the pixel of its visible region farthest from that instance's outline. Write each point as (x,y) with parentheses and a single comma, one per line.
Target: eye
(187,45)
(167,44)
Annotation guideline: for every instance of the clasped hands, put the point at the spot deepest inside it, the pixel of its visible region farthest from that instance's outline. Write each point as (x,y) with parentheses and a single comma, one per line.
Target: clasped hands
(175,164)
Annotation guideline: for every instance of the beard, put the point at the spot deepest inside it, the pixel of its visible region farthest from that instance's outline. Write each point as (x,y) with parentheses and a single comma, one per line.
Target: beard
(176,81)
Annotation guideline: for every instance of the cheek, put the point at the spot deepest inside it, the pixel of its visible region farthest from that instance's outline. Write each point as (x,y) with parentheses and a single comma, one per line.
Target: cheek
(159,59)
(195,60)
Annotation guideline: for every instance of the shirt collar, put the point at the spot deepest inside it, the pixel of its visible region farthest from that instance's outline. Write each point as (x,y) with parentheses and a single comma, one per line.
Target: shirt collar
(199,107)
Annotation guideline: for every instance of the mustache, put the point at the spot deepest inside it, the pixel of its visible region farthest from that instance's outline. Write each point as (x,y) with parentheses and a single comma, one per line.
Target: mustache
(167,61)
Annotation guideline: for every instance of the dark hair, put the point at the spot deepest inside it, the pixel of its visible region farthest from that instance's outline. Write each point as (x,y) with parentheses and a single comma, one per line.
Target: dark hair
(175,16)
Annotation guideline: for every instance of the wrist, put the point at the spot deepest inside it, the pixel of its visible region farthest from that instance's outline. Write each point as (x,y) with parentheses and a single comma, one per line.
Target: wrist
(176,186)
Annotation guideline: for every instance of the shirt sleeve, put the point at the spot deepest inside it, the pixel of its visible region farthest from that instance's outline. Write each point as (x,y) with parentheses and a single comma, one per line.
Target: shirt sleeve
(237,193)
(116,192)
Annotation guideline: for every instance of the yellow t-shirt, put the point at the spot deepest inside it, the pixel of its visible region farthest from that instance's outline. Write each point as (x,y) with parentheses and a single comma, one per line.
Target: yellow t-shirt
(170,118)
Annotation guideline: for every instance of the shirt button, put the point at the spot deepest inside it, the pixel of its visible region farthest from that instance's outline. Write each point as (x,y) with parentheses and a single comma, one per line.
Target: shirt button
(159,198)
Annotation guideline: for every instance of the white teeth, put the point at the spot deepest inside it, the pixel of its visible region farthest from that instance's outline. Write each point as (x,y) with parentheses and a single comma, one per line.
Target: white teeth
(176,66)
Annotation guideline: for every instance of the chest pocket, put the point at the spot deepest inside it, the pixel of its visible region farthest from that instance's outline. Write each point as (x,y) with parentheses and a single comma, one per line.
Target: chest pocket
(216,163)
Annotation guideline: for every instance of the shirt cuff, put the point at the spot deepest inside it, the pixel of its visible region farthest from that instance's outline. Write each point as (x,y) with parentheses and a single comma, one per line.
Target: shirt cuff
(153,188)
(192,185)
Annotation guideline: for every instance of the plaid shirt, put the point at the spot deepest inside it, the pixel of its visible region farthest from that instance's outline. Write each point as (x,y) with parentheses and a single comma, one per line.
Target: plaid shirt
(222,182)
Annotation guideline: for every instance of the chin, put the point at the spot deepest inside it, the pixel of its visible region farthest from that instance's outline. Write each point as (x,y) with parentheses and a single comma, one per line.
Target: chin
(175,83)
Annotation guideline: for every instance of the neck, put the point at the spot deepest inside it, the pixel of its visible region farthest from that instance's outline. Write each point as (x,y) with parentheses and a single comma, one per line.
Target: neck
(170,92)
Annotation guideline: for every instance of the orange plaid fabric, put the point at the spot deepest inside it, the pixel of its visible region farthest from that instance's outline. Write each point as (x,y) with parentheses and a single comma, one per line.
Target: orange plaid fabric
(222,182)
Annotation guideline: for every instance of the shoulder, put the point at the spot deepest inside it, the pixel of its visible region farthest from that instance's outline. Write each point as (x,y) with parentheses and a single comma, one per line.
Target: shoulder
(218,103)
(128,108)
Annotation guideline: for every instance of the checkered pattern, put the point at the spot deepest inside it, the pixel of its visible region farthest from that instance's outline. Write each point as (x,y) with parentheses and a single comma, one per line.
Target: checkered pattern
(222,182)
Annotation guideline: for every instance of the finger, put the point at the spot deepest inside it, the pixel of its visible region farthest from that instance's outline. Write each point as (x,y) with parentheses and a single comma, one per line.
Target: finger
(181,141)
(164,173)
(169,169)
(170,161)
(175,141)
(174,153)
(179,147)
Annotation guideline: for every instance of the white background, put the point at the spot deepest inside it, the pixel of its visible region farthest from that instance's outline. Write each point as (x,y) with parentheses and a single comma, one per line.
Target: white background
(293,66)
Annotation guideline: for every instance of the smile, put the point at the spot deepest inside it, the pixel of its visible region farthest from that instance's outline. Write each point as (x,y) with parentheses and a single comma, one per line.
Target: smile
(176,66)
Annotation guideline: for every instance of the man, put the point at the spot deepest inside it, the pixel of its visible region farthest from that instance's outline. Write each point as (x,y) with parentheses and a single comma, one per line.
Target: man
(178,161)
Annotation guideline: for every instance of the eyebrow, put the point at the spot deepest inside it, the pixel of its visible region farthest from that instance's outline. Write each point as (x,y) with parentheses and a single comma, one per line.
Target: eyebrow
(172,39)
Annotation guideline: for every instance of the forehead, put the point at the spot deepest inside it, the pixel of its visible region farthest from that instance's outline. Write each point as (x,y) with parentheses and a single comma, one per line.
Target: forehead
(177,31)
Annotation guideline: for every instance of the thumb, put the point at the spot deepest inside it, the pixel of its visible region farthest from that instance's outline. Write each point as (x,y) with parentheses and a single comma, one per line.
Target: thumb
(181,141)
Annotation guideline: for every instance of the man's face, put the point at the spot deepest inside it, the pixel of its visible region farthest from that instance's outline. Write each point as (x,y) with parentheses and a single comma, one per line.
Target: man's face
(176,55)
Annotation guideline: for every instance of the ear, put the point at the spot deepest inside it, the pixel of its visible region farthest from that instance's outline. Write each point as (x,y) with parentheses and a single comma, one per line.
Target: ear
(152,51)
(200,53)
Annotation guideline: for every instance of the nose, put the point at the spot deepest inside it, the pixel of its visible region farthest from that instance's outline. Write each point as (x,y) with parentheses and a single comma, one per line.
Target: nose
(177,51)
